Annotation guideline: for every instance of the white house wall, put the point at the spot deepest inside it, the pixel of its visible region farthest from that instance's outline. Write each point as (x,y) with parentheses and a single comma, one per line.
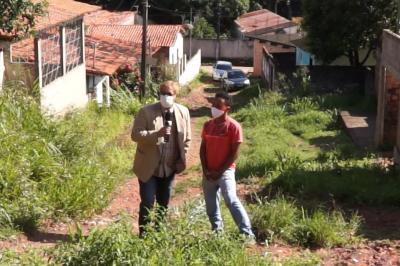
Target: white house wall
(192,69)
(176,51)
(65,93)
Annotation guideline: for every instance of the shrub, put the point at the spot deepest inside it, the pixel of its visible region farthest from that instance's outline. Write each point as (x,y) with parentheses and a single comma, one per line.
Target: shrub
(327,230)
(184,239)
(55,168)
(280,219)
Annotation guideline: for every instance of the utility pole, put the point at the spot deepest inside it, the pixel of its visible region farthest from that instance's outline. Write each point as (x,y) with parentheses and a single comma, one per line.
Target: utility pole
(190,30)
(289,7)
(218,29)
(398,16)
(144,48)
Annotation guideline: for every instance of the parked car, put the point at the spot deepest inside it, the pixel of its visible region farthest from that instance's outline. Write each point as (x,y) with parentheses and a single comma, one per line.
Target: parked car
(220,68)
(235,79)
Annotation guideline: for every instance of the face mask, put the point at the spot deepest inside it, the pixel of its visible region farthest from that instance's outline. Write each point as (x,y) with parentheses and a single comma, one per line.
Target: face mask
(167,101)
(215,112)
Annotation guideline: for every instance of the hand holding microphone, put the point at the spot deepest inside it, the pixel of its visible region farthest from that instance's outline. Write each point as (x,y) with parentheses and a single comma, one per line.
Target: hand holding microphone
(167,125)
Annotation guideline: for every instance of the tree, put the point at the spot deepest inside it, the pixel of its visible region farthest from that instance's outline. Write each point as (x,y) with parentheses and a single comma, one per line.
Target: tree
(18,16)
(202,29)
(344,27)
(230,10)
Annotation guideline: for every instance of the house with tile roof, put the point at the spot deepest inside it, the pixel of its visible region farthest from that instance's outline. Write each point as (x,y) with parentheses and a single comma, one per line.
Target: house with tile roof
(165,45)
(263,22)
(54,56)
(166,39)
(272,32)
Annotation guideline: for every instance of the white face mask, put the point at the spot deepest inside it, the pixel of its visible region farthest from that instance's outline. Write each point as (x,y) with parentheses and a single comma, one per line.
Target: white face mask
(167,101)
(215,112)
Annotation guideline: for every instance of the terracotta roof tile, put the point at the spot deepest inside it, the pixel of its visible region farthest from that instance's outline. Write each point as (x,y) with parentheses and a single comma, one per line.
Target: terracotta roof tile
(262,20)
(110,18)
(159,35)
(108,56)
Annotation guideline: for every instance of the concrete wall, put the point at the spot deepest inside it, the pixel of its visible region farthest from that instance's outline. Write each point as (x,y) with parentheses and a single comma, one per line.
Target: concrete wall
(176,51)
(232,49)
(65,93)
(191,70)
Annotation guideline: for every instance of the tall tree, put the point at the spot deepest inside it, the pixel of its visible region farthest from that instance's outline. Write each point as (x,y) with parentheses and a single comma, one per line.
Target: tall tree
(230,10)
(344,27)
(18,16)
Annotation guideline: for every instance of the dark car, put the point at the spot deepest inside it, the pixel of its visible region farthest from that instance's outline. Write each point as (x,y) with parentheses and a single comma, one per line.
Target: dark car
(235,79)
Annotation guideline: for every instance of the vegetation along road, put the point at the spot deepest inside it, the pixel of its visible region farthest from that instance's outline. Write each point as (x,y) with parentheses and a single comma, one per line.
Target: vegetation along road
(68,198)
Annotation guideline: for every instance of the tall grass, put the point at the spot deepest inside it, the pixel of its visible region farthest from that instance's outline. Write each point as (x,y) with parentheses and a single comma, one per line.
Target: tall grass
(297,145)
(281,220)
(185,239)
(57,168)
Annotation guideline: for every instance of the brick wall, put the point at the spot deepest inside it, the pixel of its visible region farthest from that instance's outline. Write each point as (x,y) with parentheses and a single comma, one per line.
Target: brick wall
(391,109)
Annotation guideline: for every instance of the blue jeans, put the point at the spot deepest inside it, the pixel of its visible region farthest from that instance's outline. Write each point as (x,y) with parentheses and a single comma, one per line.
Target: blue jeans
(155,189)
(226,185)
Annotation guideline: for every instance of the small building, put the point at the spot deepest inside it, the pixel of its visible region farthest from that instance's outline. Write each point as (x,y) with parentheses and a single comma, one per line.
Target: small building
(54,58)
(284,53)
(272,32)
(169,39)
(263,22)
(165,42)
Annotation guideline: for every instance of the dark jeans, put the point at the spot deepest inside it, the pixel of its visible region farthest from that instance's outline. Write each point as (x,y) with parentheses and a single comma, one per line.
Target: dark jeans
(158,189)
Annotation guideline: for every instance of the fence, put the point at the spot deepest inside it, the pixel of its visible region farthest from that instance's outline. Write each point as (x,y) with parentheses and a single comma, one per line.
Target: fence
(190,69)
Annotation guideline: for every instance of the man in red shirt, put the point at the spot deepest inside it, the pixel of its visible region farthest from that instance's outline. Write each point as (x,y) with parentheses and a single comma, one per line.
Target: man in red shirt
(221,138)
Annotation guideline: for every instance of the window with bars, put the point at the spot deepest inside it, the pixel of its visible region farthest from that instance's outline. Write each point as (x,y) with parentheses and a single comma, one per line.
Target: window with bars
(50,58)
(73,45)
(60,50)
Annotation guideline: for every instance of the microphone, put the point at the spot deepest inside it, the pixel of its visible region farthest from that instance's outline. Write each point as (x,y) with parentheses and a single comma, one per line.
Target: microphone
(168,123)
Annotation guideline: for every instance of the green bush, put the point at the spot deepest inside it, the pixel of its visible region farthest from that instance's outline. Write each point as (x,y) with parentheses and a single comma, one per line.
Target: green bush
(281,220)
(184,239)
(56,168)
(275,219)
(327,230)
(309,121)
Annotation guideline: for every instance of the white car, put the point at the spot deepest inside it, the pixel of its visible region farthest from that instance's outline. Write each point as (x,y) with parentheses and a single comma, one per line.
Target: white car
(220,69)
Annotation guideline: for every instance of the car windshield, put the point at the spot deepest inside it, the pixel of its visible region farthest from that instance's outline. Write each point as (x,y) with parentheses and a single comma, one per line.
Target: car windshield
(236,75)
(224,67)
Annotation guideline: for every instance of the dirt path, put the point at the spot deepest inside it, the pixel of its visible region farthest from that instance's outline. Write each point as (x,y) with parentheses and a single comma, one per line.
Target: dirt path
(126,198)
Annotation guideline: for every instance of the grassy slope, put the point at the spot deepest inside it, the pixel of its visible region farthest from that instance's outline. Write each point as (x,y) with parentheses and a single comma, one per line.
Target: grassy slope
(57,168)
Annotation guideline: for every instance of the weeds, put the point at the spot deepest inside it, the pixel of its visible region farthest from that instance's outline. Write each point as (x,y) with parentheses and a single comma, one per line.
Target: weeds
(281,220)
(185,239)
(56,168)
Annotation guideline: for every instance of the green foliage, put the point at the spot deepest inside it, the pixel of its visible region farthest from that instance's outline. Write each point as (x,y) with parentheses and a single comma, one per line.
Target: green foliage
(184,239)
(56,168)
(336,28)
(125,101)
(327,230)
(280,219)
(28,258)
(203,30)
(295,144)
(19,16)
